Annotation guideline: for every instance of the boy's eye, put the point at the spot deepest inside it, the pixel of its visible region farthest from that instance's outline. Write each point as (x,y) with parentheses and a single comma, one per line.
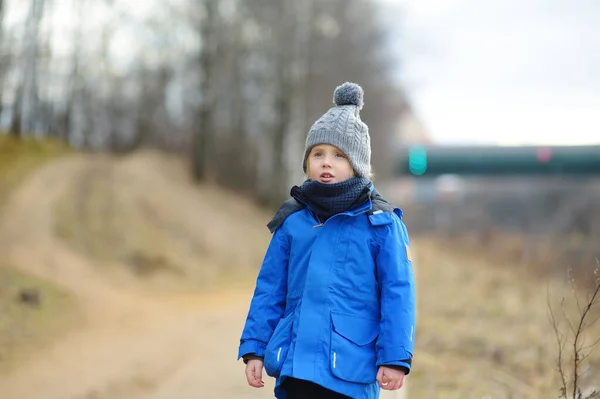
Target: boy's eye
(340,155)
(317,154)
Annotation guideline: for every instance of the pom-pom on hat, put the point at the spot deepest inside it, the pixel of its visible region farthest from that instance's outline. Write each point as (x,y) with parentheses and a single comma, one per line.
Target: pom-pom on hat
(341,127)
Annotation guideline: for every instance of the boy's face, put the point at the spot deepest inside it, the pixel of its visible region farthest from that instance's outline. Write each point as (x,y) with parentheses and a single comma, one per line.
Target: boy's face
(328,164)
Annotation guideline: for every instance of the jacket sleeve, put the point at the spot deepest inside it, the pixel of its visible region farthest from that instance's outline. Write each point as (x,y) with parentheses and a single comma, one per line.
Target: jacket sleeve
(268,303)
(398,300)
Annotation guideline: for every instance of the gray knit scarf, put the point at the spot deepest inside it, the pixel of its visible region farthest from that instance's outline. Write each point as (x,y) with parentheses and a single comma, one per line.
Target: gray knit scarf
(326,200)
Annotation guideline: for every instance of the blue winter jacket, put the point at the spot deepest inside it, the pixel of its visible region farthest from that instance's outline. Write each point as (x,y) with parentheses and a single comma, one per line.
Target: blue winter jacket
(334,301)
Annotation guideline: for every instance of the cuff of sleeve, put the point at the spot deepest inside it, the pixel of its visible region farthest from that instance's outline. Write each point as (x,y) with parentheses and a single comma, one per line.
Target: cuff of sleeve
(397,356)
(251,356)
(401,365)
(251,346)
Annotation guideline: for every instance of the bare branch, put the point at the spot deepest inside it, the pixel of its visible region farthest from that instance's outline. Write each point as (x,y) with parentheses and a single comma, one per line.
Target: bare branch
(559,344)
(580,351)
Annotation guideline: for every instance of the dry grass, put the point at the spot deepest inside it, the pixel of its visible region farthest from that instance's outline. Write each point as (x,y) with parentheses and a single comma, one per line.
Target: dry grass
(18,158)
(24,327)
(483,331)
(542,254)
(21,324)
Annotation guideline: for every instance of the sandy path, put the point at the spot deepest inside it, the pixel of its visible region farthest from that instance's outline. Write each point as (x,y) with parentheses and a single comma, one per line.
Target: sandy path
(181,348)
(130,344)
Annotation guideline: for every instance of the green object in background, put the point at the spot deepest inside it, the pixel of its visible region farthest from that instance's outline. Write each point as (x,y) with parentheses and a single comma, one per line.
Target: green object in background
(433,161)
(417,160)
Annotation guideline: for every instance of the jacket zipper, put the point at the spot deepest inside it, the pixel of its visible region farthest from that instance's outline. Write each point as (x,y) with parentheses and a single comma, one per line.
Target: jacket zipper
(337,214)
(320,224)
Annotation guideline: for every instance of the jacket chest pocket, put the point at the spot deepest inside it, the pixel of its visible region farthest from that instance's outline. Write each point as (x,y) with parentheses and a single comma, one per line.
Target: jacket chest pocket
(278,346)
(353,352)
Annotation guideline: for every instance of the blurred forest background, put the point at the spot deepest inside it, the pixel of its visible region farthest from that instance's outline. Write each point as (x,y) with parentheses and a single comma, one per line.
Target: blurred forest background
(232,84)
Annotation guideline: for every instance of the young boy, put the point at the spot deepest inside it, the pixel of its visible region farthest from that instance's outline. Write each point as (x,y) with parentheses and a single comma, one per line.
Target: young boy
(333,312)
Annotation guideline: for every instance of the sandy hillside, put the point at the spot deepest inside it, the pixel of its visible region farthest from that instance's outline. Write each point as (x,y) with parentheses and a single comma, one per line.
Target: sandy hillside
(150,258)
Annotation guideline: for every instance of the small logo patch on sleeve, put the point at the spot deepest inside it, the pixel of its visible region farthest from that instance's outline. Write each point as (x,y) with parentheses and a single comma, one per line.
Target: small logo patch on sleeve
(408,253)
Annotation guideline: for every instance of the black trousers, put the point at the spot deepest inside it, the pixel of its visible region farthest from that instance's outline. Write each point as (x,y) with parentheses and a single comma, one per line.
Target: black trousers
(301,389)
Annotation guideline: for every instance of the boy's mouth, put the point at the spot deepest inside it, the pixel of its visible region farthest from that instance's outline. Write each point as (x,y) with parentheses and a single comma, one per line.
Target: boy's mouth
(326,177)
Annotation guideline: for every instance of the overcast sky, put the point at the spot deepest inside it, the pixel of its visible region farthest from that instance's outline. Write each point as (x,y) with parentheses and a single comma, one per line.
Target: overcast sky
(503,72)
(492,71)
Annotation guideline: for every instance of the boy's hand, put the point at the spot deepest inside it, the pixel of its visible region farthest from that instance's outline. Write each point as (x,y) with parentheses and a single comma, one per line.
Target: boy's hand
(254,373)
(390,378)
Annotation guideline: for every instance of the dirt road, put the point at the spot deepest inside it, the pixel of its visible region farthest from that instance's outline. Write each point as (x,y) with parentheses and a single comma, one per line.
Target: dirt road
(183,347)
(180,348)
(132,343)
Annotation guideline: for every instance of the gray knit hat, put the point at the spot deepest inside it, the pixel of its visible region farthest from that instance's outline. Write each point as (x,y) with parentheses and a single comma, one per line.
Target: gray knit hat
(341,127)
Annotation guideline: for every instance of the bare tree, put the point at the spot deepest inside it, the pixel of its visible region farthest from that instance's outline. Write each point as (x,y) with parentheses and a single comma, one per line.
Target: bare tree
(301,70)
(570,367)
(204,134)
(284,92)
(30,67)
(3,56)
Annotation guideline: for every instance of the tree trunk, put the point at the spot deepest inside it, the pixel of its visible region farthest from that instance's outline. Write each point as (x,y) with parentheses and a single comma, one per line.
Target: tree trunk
(30,70)
(3,56)
(74,81)
(15,123)
(301,81)
(283,103)
(204,135)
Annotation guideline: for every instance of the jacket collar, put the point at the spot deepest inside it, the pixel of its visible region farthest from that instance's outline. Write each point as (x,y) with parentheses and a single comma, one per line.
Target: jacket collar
(374,203)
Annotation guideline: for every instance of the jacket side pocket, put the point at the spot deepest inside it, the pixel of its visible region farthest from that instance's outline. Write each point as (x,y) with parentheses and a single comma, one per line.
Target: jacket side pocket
(278,346)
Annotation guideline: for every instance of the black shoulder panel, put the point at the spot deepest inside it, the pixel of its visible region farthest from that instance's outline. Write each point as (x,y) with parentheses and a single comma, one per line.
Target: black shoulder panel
(286,209)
